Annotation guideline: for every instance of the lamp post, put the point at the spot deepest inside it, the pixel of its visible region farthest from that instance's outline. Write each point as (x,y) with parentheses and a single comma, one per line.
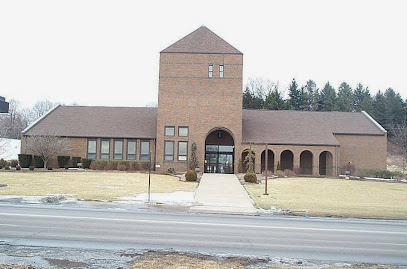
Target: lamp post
(265,169)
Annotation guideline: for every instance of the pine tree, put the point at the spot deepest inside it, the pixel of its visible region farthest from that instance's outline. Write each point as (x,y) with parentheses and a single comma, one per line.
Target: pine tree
(193,160)
(345,98)
(327,100)
(294,94)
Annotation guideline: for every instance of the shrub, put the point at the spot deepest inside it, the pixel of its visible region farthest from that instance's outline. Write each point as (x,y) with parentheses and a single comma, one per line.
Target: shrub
(13,163)
(63,160)
(7,167)
(31,167)
(86,163)
(99,164)
(171,170)
(49,167)
(379,173)
(280,173)
(18,168)
(121,167)
(144,165)
(75,161)
(2,162)
(191,176)
(193,160)
(66,166)
(38,162)
(289,173)
(250,177)
(278,165)
(24,160)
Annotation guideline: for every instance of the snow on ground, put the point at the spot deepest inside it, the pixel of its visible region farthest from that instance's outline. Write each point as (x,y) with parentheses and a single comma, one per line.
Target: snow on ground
(11,148)
(179,198)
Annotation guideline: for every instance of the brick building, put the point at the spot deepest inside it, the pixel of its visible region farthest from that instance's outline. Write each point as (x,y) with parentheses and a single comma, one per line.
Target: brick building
(200,100)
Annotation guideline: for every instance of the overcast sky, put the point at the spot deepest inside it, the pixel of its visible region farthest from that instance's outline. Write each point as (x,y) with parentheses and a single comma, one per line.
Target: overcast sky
(107,52)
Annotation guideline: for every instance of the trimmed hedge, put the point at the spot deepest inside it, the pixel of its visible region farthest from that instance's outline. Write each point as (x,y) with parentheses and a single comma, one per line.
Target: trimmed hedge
(86,163)
(63,160)
(191,176)
(25,160)
(250,177)
(75,161)
(38,162)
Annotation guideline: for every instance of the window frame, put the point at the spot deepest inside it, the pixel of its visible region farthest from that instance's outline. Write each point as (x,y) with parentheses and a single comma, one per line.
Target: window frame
(173,149)
(96,148)
(104,154)
(179,155)
(221,71)
(179,127)
(165,130)
(135,149)
(210,71)
(114,149)
(141,158)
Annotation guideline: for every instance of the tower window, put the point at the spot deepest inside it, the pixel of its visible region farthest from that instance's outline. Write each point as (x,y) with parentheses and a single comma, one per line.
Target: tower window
(169,131)
(221,71)
(210,71)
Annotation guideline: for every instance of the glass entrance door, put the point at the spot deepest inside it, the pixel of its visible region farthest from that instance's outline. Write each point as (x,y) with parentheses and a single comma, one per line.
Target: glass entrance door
(219,159)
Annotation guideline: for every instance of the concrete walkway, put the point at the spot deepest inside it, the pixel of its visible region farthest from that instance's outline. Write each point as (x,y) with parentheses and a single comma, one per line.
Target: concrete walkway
(222,193)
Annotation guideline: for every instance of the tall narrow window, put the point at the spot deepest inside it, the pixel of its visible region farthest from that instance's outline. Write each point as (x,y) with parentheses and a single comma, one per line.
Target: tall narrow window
(131,149)
(144,150)
(168,150)
(221,71)
(118,150)
(182,151)
(183,131)
(91,149)
(210,71)
(169,130)
(105,149)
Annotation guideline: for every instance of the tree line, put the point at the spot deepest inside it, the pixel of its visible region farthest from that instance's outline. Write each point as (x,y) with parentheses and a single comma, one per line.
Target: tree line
(386,107)
(19,118)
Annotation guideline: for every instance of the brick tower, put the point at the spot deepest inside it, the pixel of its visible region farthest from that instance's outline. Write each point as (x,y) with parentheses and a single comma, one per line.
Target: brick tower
(200,100)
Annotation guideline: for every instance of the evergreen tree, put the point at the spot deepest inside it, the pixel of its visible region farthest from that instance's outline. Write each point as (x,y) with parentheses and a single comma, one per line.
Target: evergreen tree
(363,101)
(312,96)
(274,100)
(345,98)
(394,109)
(294,94)
(327,100)
(379,108)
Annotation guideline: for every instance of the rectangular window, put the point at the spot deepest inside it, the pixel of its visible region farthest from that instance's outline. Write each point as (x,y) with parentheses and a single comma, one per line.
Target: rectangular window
(131,149)
(144,150)
(169,131)
(105,149)
(118,150)
(182,151)
(221,71)
(210,71)
(168,150)
(91,149)
(182,131)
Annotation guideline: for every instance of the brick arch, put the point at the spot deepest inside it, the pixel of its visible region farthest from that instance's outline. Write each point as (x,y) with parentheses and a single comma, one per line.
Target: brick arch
(326,163)
(219,151)
(287,160)
(306,162)
(271,157)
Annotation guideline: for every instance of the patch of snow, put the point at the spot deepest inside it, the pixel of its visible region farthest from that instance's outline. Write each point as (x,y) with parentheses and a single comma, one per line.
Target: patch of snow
(11,149)
(37,199)
(109,187)
(179,198)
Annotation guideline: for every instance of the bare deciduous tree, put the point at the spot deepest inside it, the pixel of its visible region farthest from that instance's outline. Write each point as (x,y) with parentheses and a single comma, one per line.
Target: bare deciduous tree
(399,138)
(46,146)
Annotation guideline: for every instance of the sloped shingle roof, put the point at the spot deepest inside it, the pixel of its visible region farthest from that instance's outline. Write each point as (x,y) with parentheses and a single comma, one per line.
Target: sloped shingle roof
(88,121)
(202,40)
(303,128)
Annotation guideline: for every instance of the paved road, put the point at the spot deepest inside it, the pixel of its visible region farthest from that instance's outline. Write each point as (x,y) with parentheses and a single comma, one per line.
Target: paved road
(367,241)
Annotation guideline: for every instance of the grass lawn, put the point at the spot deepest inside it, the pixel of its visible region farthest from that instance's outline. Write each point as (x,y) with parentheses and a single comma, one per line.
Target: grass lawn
(333,197)
(89,185)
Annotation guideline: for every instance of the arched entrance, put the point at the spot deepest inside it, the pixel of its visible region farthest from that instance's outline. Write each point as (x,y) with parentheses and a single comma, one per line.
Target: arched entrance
(326,162)
(219,152)
(306,159)
(287,160)
(270,166)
